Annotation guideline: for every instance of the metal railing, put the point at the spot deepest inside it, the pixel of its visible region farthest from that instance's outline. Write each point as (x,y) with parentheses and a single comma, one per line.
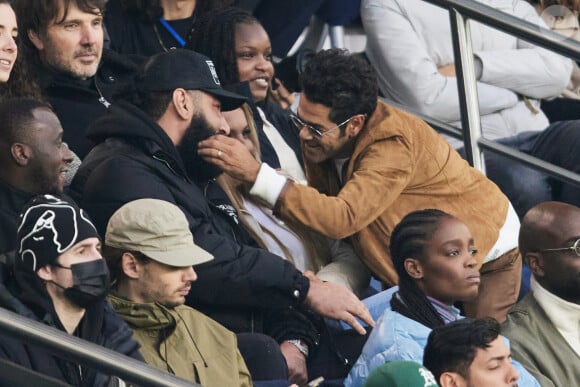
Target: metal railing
(460,12)
(80,351)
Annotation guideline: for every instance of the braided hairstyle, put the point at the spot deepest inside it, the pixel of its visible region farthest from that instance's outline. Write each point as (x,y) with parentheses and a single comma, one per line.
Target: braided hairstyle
(215,37)
(409,239)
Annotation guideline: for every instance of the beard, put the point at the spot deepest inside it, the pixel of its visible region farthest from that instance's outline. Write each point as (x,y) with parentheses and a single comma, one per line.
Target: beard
(46,181)
(199,170)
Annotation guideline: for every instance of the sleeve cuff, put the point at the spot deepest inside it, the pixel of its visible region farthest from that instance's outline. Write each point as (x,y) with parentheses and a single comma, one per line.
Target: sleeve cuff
(478,67)
(268,184)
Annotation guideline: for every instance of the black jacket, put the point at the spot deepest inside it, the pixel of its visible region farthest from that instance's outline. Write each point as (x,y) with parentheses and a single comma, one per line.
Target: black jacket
(78,103)
(136,159)
(12,200)
(131,32)
(25,294)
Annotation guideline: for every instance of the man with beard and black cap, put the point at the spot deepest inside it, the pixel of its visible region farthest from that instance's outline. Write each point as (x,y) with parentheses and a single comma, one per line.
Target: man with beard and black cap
(150,151)
(60,278)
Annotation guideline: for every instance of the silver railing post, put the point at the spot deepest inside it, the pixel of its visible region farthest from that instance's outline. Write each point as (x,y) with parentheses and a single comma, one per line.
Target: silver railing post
(80,351)
(460,12)
(467,88)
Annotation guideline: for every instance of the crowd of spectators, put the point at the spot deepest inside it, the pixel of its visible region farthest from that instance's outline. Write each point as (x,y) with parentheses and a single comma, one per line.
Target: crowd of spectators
(163,195)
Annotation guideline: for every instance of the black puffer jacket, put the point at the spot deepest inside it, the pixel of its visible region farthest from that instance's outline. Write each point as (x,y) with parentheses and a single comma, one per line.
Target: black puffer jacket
(135,159)
(78,103)
(24,293)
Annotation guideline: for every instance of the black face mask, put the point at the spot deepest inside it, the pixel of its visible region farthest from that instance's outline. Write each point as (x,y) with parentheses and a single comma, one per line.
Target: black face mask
(90,282)
(196,167)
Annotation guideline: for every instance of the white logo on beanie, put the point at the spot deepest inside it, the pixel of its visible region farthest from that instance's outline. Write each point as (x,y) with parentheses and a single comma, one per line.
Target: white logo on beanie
(213,72)
(50,228)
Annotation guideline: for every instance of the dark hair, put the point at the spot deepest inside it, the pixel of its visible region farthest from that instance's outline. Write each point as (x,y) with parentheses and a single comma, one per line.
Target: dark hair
(20,83)
(345,83)
(114,258)
(34,15)
(215,37)
(154,103)
(409,239)
(452,347)
(151,10)
(16,115)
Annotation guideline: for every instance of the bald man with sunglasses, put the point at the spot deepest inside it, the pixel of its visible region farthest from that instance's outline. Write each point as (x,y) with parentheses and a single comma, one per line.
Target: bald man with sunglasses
(544,327)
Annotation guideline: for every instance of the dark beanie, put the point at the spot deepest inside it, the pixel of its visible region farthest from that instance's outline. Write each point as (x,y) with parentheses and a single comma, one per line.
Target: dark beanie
(49,226)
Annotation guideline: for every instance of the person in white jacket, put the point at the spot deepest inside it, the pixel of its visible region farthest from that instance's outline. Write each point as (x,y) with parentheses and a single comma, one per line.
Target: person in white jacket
(409,44)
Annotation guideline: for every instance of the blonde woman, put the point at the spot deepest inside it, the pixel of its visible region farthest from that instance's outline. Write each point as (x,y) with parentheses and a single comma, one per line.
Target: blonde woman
(332,260)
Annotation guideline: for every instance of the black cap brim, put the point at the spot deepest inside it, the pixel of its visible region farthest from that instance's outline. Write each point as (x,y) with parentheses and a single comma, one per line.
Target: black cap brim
(228,100)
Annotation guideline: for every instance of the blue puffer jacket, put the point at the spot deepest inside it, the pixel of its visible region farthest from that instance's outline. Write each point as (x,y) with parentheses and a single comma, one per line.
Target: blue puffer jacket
(396,337)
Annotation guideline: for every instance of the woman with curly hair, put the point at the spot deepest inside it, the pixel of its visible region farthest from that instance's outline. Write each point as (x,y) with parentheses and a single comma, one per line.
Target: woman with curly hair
(146,27)
(14,76)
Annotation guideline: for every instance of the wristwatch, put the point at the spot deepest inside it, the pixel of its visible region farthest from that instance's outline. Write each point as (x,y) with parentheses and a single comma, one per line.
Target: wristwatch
(302,347)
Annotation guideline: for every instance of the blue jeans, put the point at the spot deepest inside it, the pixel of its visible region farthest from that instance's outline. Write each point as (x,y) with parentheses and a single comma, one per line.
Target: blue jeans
(559,144)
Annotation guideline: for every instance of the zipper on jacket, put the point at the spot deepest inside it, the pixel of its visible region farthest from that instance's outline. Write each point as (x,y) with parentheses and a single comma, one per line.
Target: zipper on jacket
(102,99)
(167,163)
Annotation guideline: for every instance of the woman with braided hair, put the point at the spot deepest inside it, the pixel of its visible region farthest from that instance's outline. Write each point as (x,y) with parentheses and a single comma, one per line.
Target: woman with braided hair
(242,54)
(433,254)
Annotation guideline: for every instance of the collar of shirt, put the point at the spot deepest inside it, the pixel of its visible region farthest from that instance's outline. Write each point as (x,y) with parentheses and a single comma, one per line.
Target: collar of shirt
(448,313)
(564,315)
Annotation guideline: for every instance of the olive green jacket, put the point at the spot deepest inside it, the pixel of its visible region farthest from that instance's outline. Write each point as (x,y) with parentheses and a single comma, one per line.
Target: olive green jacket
(185,342)
(539,347)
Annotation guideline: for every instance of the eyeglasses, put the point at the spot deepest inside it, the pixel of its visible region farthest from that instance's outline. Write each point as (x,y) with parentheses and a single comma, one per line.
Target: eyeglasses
(314,131)
(575,248)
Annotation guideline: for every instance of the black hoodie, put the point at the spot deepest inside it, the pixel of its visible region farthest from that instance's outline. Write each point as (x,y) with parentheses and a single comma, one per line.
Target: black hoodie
(135,159)
(24,293)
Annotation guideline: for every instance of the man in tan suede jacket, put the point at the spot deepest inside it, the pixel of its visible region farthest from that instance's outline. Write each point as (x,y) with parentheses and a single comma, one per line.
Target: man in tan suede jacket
(368,165)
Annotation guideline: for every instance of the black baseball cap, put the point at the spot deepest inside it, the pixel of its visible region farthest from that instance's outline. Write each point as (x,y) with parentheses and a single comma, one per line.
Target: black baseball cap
(186,69)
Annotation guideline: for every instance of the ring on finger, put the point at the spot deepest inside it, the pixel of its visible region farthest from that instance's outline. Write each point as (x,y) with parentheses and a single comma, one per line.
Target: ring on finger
(219,154)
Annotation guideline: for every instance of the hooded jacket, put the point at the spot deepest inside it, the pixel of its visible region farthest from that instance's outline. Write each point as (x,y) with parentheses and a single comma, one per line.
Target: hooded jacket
(186,343)
(243,288)
(25,294)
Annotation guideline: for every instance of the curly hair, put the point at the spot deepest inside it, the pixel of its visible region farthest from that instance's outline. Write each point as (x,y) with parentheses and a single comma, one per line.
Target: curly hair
(341,81)
(409,239)
(20,84)
(214,36)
